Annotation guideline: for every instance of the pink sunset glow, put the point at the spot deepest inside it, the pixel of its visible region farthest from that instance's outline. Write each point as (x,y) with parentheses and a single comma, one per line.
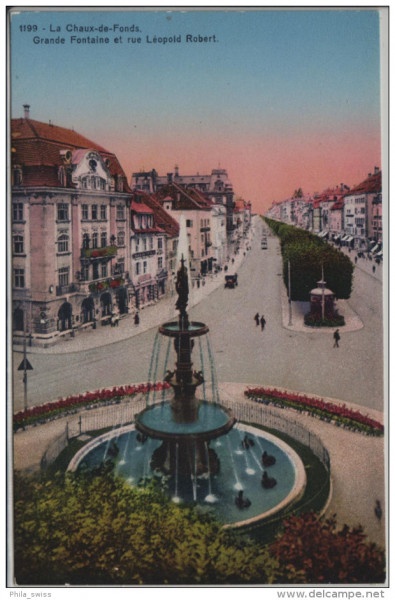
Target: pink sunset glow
(262,169)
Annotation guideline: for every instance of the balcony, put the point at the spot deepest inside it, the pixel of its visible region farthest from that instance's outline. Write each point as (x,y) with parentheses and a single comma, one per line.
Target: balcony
(95,287)
(95,253)
(61,290)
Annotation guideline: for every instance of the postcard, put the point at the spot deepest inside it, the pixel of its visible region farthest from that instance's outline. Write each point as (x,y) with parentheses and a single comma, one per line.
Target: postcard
(197,239)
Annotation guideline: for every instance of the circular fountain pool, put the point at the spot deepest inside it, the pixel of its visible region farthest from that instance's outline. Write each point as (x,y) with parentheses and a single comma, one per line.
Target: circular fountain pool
(241,469)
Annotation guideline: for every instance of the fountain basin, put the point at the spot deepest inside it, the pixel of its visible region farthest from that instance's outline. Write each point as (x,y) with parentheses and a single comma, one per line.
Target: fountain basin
(172,329)
(240,470)
(158,422)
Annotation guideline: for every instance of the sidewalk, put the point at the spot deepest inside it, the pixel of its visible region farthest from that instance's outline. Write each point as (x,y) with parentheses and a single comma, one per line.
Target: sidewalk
(150,316)
(364,264)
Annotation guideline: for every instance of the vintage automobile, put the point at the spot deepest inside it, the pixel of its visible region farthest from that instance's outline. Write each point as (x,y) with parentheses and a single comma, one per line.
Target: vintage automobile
(264,245)
(231,281)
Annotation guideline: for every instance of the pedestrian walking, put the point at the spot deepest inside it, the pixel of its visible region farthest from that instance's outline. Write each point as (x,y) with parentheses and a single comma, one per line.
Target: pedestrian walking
(263,323)
(257,319)
(336,337)
(136,319)
(374,268)
(356,260)
(378,511)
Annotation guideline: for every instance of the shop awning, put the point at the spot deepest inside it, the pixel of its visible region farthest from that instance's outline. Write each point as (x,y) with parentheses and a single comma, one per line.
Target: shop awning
(373,250)
(344,238)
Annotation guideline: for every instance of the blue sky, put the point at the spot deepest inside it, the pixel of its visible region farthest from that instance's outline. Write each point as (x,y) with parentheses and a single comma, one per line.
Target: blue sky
(275,74)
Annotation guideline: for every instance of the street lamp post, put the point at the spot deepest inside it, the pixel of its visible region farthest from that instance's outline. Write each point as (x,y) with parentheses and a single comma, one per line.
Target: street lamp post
(24,363)
(289,293)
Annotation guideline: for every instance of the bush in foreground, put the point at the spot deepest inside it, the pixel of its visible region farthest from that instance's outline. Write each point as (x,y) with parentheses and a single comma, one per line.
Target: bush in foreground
(328,555)
(92,529)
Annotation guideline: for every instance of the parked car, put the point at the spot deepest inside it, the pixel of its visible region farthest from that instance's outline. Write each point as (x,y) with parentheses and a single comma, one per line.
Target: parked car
(230,281)
(264,245)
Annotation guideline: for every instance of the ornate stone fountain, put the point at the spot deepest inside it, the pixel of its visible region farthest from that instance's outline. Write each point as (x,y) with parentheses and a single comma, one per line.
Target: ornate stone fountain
(185,424)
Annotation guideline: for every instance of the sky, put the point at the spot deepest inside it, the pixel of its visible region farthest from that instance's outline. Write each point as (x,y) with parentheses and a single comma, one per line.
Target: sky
(281,99)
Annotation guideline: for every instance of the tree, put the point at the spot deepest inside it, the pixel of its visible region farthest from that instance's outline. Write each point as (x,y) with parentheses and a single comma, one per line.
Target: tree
(94,529)
(326,554)
(298,193)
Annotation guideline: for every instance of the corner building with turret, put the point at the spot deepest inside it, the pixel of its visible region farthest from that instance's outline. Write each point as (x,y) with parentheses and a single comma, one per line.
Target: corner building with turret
(70,222)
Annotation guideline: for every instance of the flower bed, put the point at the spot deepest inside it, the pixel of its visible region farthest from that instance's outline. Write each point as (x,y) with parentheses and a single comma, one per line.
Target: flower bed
(316,320)
(60,407)
(340,415)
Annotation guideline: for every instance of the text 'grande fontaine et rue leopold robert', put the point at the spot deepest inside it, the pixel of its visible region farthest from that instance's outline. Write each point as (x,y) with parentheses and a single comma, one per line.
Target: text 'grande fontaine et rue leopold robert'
(116,34)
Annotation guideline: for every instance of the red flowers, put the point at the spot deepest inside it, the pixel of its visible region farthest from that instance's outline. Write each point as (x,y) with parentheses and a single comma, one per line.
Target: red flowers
(51,409)
(316,406)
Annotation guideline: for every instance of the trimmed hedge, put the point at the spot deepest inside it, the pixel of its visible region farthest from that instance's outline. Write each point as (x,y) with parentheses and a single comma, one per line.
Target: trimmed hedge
(307,254)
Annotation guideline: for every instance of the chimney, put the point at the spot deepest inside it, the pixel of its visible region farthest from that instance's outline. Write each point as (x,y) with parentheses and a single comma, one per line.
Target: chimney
(369,175)
(169,177)
(376,170)
(26,108)
(342,186)
(176,171)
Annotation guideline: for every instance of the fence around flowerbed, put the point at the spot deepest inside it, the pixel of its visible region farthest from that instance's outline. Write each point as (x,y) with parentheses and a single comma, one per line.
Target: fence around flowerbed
(124,413)
(92,420)
(262,415)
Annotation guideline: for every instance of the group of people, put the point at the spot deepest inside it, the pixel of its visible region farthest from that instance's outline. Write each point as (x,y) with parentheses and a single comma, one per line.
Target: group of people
(260,320)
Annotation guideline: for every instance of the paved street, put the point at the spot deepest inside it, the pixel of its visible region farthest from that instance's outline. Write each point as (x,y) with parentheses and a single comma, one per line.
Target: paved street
(304,361)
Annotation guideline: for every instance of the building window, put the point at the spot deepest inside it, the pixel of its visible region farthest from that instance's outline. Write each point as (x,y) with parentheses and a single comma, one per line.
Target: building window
(63,212)
(19,278)
(103,212)
(145,266)
(120,266)
(160,262)
(95,270)
(144,244)
(94,212)
(151,243)
(121,238)
(63,243)
(189,223)
(17,211)
(138,268)
(104,269)
(85,240)
(95,239)
(103,239)
(63,275)
(160,243)
(18,244)
(85,272)
(120,211)
(137,244)
(85,212)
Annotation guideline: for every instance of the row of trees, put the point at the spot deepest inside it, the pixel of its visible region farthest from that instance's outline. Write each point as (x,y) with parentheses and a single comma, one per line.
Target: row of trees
(308,255)
(92,529)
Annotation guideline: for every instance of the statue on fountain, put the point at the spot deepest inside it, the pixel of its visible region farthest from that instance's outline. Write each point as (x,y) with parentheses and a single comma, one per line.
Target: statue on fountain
(182,290)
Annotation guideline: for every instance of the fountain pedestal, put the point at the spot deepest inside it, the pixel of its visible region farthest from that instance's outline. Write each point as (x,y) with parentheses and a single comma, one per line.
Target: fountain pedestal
(185,425)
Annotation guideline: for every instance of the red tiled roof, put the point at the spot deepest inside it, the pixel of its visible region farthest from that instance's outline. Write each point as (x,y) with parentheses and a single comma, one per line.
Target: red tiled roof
(30,129)
(37,145)
(162,217)
(371,185)
(141,208)
(148,230)
(338,204)
(185,198)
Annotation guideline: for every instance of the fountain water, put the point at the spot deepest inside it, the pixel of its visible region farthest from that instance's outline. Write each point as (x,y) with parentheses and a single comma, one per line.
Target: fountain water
(171,436)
